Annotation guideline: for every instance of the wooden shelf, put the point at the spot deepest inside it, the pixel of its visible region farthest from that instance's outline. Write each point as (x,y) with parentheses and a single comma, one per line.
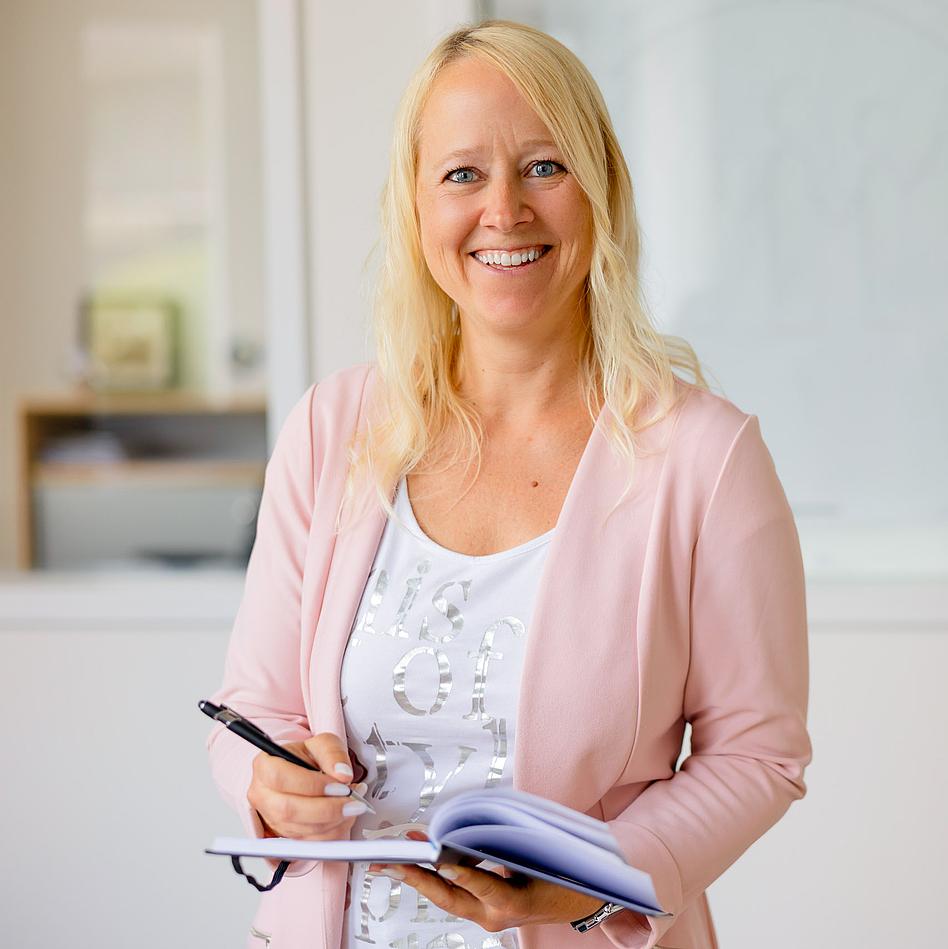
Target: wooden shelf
(84,402)
(176,439)
(164,472)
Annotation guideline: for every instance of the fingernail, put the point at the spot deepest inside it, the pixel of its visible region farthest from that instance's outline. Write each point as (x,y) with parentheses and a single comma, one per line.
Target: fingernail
(353,808)
(361,788)
(449,873)
(394,872)
(336,790)
(343,770)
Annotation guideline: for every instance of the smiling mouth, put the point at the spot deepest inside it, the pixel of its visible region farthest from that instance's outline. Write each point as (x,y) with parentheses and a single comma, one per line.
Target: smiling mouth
(513,267)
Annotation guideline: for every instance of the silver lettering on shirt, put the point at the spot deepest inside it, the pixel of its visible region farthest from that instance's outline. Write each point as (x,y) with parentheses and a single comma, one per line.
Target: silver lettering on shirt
(399,674)
(366,622)
(412,585)
(365,912)
(376,742)
(432,788)
(498,731)
(454,616)
(423,904)
(421,909)
(483,657)
(449,941)
(504,940)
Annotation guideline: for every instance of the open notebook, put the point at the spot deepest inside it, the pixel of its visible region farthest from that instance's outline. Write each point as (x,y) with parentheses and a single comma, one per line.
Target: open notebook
(521,831)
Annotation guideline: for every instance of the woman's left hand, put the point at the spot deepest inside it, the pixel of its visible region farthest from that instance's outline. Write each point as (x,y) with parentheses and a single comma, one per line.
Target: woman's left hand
(492,901)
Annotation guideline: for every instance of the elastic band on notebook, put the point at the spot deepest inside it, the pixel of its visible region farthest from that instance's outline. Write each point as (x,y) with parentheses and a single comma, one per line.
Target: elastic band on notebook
(277,874)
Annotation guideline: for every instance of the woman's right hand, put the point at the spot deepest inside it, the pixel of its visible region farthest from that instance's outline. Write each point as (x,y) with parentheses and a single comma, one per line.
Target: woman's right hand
(306,805)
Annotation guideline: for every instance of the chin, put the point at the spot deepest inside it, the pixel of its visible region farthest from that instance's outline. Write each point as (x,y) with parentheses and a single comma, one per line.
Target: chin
(506,318)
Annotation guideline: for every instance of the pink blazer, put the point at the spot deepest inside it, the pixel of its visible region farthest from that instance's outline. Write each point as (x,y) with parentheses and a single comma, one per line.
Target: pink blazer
(687,604)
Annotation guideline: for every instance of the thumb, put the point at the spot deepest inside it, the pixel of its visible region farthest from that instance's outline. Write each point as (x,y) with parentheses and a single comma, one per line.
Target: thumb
(331,756)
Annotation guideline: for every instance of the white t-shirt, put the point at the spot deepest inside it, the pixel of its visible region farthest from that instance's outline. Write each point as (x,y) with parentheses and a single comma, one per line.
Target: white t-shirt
(430,682)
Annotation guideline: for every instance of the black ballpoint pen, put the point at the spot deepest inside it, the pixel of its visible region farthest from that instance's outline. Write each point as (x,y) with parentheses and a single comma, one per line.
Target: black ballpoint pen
(246,729)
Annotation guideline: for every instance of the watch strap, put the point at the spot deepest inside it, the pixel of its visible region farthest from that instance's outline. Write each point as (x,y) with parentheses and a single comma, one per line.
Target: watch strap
(594,919)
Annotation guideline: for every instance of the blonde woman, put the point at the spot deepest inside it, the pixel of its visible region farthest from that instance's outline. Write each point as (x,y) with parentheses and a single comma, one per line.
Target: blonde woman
(518,550)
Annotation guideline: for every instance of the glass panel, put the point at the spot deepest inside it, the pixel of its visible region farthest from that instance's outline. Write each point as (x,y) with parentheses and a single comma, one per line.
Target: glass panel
(792,187)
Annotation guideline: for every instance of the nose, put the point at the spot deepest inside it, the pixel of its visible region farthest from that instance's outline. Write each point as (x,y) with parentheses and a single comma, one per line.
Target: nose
(504,205)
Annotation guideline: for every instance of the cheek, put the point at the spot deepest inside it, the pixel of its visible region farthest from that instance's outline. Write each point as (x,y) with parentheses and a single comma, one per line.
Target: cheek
(581,224)
(445,248)
(442,235)
(576,210)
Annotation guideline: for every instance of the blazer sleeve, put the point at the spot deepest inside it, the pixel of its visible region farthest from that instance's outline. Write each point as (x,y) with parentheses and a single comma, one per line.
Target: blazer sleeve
(745,696)
(262,674)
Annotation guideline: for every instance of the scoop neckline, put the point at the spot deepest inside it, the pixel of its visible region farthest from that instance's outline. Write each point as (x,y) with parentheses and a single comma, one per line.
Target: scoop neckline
(403,505)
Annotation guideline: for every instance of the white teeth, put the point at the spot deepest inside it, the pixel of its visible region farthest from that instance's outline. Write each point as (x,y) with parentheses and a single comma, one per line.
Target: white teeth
(505,259)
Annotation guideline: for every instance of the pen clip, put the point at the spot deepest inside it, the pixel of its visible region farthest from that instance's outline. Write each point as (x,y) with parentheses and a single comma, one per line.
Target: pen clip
(227,717)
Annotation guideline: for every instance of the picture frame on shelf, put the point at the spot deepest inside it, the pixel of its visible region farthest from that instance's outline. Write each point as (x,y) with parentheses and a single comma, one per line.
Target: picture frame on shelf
(130,343)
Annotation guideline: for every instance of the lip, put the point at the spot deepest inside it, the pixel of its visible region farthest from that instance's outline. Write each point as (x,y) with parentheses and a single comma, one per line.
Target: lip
(513,270)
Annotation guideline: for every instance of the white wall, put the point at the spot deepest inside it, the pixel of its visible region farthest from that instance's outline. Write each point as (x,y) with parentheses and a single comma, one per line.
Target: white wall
(106,802)
(357,63)
(859,862)
(332,75)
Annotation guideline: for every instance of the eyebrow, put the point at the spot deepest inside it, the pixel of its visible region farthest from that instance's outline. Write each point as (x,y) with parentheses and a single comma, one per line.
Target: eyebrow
(465,154)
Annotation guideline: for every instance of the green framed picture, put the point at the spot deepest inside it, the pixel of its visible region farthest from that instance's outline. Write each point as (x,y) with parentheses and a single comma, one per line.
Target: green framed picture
(131,344)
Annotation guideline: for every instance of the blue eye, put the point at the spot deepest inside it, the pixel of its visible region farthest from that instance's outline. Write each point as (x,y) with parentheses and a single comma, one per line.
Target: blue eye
(450,175)
(553,166)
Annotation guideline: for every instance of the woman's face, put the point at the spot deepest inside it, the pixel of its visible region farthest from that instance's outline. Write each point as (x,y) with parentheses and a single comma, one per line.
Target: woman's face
(491,181)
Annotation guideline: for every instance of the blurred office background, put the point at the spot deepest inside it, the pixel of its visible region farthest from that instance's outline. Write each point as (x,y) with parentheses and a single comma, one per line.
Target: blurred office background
(188,196)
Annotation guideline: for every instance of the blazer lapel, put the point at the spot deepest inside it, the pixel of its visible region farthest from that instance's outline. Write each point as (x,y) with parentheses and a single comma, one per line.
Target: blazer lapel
(577,711)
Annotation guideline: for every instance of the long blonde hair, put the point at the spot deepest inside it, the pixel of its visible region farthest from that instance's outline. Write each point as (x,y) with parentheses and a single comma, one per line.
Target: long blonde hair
(417,335)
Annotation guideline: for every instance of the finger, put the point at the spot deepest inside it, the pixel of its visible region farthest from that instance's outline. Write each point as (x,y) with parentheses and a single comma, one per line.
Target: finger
(454,900)
(280,809)
(487,887)
(280,775)
(330,754)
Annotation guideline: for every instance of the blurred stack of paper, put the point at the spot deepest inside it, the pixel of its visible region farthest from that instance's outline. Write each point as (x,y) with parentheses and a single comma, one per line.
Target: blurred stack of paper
(83,448)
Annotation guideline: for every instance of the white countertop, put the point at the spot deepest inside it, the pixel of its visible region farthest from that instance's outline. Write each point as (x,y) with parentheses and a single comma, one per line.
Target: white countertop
(208,599)
(115,599)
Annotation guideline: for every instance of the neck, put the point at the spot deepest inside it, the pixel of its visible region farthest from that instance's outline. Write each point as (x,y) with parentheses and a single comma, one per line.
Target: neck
(513,382)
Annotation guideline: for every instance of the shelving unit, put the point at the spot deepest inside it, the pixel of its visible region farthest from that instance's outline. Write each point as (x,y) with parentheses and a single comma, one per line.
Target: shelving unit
(179,484)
